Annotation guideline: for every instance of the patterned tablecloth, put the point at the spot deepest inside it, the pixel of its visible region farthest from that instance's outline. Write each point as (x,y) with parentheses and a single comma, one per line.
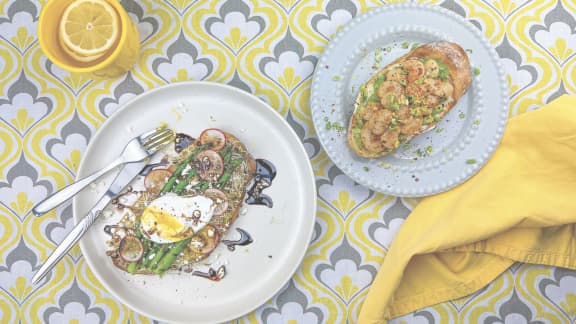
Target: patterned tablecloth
(268,48)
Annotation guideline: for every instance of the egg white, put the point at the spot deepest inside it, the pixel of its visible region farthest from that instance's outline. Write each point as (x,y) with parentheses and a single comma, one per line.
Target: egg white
(171,218)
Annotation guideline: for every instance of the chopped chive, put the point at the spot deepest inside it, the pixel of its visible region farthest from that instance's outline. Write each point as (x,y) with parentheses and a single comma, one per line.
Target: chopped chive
(471,161)
(384,165)
(366,168)
(328,124)
(405,45)
(469,50)
(337,126)
(476,71)
(336,78)
(461,115)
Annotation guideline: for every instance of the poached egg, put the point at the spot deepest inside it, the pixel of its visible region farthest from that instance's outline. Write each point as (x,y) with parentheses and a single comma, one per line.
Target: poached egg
(171,218)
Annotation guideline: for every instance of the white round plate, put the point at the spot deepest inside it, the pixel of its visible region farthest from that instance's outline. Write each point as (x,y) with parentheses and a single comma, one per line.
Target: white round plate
(281,234)
(432,162)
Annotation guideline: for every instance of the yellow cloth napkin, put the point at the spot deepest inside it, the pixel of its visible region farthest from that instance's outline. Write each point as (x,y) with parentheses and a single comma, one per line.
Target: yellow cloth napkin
(521,206)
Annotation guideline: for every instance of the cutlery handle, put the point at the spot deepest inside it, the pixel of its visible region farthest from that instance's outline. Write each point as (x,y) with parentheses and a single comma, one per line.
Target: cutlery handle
(71,190)
(71,239)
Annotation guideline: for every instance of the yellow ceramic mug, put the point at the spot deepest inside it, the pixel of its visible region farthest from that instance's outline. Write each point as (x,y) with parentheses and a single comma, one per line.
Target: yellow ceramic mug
(119,60)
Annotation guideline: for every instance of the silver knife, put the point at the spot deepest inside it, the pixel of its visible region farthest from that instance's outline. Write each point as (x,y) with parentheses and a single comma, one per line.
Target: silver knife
(125,176)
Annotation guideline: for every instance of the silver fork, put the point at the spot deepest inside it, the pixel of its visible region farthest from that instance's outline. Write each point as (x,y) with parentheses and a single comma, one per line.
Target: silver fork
(136,150)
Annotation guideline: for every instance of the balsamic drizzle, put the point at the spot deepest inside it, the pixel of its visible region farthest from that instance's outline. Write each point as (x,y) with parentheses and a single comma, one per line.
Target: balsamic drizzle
(265,173)
(244,239)
(214,275)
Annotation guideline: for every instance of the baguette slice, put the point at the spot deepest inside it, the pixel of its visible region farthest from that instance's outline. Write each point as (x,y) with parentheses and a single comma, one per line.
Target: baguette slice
(408,97)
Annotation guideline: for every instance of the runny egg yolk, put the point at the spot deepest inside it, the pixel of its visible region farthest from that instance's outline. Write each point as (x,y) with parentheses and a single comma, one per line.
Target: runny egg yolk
(171,218)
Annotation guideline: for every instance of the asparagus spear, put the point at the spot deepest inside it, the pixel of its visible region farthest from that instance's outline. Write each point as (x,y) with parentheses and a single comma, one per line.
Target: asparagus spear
(170,183)
(159,255)
(132,267)
(150,254)
(171,256)
(182,184)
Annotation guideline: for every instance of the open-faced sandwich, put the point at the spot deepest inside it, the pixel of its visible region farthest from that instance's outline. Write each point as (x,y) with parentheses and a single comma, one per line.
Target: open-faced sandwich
(188,205)
(408,97)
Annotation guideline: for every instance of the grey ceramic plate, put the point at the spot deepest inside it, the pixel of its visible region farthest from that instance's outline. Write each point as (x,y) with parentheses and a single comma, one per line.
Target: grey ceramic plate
(432,162)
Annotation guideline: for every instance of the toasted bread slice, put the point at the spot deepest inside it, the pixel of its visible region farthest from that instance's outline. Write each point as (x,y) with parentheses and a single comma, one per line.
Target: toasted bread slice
(239,171)
(408,97)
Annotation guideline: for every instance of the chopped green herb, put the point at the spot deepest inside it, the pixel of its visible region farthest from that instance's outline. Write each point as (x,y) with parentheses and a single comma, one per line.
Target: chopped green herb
(377,59)
(333,125)
(436,118)
(384,165)
(443,72)
(336,78)
(439,129)
(414,46)
(476,122)
(374,98)
(328,124)
(428,150)
(406,147)
(366,168)
(471,161)
(469,50)
(405,45)
(419,153)
(379,80)
(337,126)
(363,94)
(461,115)
(389,49)
(476,71)
(438,109)
(353,89)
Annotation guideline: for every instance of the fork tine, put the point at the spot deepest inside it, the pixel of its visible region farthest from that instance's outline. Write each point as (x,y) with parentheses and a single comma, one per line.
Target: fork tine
(148,134)
(160,133)
(151,149)
(155,148)
(159,141)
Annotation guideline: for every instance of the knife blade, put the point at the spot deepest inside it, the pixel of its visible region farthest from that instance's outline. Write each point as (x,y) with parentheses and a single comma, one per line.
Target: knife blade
(125,176)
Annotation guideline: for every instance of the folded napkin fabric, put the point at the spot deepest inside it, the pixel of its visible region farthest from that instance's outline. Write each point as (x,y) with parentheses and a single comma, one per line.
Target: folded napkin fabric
(521,206)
